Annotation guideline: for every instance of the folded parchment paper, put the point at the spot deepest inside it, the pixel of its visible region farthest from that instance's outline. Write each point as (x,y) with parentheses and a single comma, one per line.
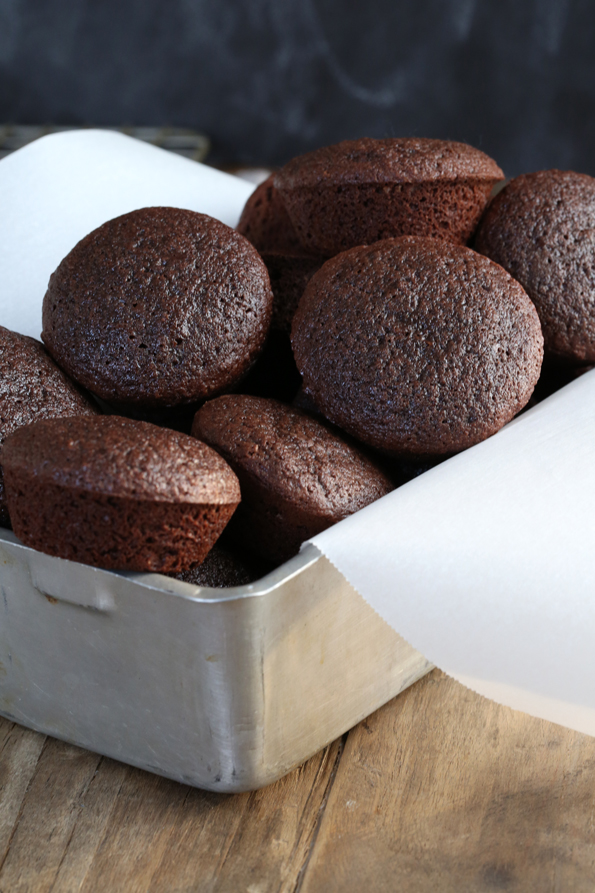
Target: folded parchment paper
(486,564)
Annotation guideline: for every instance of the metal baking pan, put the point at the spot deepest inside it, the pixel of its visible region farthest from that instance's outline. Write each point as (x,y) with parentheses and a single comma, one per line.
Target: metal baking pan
(222,689)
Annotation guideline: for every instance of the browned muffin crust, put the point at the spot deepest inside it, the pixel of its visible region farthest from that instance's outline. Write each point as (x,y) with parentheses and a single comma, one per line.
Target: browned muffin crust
(117,493)
(541,228)
(158,308)
(32,387)
(417,347)
(265,222)
(360,191)
(297,477)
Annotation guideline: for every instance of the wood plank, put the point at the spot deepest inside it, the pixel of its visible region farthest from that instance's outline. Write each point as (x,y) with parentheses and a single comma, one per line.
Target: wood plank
(444,790)
(163,836)
(266,848)
(132,838)
(87,823)
(96,809)
(48,814)
(19,752)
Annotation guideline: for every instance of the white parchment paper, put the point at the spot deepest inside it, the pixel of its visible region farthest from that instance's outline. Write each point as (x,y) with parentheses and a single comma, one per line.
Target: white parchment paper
(485,564)
(59,188)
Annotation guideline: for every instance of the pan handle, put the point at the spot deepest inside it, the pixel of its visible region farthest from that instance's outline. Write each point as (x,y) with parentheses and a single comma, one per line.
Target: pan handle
(68,581)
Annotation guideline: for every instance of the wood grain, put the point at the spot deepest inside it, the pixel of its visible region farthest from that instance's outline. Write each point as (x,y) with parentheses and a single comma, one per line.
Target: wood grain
(438,790)
(73,821)
(19,753)
(444,790)
(256,842)
(47,817)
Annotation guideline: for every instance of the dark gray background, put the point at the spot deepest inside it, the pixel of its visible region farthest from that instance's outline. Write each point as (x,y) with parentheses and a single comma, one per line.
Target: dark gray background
(268,79)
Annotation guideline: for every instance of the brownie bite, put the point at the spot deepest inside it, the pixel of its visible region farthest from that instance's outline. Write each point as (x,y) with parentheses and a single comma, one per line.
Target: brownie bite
(297,477)
(221,569)
(360,191)
(541,228)
(158,308)
(265,222)
(32,387)
(117,493)
(417,347)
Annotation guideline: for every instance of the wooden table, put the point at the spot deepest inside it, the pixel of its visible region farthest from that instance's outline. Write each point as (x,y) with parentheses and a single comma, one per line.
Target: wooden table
(439,791)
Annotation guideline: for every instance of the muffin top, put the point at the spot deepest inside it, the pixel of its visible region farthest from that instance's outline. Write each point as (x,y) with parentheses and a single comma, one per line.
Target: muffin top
(118,457)
(158,308)
(293,458)
(32,386)
(541,228)
(392,160)
(416,346)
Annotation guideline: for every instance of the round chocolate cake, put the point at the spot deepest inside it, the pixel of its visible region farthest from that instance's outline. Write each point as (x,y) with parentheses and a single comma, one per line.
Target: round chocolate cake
(417,347)
(158,308)
(117,493)
(541,228)
(360,191)
(32,387)
(297,477)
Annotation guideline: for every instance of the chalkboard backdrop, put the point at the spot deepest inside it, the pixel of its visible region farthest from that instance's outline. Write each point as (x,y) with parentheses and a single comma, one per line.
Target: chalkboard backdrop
(268,79)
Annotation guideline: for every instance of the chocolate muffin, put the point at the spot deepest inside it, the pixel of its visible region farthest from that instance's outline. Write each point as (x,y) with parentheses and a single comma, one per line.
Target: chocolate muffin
(265,222)
(221,569)
(417,347)
(361,191)
(297,477)
(32,387)
(158,308)
(541,228)
(117,493)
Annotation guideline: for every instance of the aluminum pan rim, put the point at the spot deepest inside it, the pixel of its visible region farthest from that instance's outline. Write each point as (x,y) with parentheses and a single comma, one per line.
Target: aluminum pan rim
(169,586)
